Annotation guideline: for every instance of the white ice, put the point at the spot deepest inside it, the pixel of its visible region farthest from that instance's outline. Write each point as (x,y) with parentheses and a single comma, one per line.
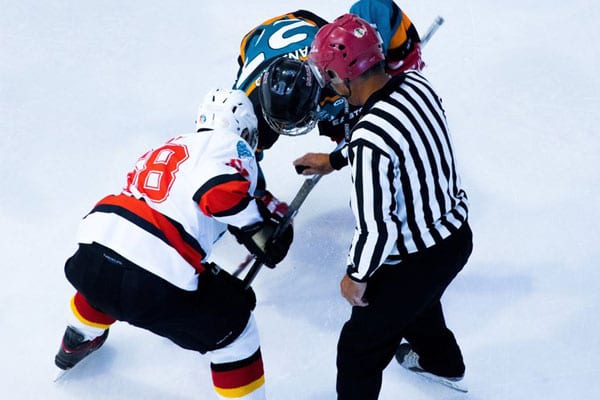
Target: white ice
(87,86)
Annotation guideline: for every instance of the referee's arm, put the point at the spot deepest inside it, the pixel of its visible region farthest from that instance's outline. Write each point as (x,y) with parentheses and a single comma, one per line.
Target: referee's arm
(373,205)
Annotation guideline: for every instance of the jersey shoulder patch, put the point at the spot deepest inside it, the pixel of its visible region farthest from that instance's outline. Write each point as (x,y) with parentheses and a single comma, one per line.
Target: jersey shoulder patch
(243,150)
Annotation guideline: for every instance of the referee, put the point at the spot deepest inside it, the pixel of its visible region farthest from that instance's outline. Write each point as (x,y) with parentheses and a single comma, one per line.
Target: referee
(411,237)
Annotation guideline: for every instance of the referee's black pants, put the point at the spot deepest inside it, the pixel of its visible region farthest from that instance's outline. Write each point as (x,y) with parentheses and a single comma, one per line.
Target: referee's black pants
(404,302)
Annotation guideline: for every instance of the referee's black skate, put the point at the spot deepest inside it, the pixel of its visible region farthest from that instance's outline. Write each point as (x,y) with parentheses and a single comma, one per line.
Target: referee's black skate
(74,348)
(409,359)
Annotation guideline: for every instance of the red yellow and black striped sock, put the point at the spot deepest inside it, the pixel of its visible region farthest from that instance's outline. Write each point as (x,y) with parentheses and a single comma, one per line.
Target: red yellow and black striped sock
(239,379)
(88,320)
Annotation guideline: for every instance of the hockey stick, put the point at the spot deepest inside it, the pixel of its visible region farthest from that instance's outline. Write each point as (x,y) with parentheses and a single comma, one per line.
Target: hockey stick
(310,183)
(243,265)
(432,29)
(287,219)
(301,195)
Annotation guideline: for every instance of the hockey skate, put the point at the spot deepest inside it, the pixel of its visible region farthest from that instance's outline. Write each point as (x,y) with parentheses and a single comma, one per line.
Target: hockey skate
(410,360)
(74,348)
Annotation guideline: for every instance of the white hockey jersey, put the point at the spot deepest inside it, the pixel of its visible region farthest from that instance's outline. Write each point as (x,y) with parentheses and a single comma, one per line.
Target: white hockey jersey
(177,203)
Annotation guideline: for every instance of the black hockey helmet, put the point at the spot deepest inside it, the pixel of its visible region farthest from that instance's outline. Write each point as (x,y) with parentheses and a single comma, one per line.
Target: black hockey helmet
(289,97)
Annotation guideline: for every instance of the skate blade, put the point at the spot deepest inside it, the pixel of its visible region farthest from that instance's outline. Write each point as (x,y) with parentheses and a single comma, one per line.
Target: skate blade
(442,381)
(61,373)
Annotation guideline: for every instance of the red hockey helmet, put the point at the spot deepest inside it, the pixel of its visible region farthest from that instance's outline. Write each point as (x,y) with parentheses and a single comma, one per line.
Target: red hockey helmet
(344,49)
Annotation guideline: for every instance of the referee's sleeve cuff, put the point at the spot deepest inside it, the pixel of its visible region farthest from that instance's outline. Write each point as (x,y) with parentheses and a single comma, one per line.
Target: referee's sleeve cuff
(350,270)
(338,159)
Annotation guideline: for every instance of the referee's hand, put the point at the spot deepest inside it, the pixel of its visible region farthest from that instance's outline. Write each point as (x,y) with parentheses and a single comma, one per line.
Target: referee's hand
(353,291)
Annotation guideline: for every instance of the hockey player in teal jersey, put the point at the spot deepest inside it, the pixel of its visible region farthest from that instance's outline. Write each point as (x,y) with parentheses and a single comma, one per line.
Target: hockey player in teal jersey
(287,99)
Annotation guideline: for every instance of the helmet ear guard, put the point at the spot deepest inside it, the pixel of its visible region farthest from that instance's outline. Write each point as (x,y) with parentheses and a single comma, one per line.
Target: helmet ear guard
(229,109)
(289,96)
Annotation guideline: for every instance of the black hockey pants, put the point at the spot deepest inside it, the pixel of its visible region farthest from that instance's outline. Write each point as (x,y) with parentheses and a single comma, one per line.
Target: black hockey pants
(404,302)
(206,319)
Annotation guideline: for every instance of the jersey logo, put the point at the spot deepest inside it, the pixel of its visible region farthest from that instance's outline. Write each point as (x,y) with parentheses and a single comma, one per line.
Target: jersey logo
(285,37)
(243,150)
(359,32)
(278,39)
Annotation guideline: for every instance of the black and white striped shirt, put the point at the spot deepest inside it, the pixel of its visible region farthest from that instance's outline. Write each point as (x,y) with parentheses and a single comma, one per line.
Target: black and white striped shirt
(406,193)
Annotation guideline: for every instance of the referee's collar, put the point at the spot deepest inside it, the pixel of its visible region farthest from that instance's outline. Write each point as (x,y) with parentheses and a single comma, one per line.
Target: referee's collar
(385,91)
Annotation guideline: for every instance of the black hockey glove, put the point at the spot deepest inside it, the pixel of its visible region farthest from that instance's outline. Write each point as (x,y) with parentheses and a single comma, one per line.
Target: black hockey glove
(258,238)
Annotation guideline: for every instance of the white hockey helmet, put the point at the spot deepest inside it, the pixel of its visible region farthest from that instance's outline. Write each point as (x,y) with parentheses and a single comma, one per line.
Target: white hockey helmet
(229,109)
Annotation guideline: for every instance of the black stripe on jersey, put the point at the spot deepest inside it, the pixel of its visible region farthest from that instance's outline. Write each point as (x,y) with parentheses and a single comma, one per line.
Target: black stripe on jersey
(382,233)
(414,152)
(219,180)
(435,110)
(235,365)
(131,217)
(458,215)
(422,89)
(420,160)
(360,244)
(433,146)
(357,152)
(425,91)
(407,189)
(239,207)
(392,210)
(304,14)
(443,164)
(149,227)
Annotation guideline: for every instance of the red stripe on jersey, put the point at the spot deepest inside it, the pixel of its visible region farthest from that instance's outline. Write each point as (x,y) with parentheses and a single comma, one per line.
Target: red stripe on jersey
(238,377)
(225,197)
(142,210)
(89,313)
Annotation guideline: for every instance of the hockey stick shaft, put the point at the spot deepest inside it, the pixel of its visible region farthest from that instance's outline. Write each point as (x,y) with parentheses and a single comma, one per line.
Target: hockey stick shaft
(310,183)
(243,265)
(432,30)
(249,278)
(297,201)
(301,195)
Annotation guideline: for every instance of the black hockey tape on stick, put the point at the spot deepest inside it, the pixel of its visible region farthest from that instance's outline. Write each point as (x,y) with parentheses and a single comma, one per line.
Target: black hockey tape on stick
(300,168)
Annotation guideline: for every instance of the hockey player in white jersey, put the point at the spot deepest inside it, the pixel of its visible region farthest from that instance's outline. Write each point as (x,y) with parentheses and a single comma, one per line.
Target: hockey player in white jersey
(142,253)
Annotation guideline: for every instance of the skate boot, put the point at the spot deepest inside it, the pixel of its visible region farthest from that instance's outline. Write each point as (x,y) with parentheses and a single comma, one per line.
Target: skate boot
(409,359)
(74,348)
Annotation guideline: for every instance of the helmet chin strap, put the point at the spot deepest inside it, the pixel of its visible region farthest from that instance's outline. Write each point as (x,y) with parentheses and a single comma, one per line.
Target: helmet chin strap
(347,84)
(346,123)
